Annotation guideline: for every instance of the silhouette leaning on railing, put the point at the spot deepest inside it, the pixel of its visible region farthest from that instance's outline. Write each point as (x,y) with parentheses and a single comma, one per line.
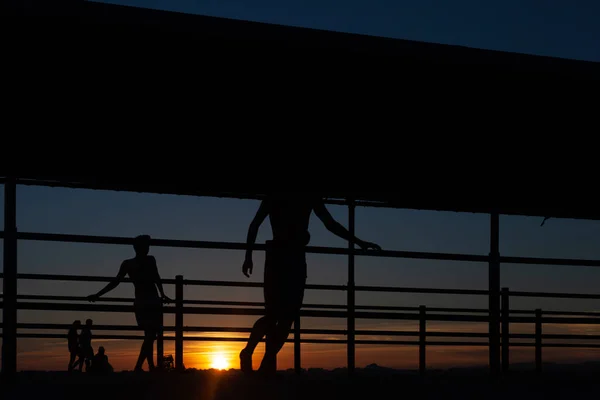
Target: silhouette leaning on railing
(143,272)
(285,268)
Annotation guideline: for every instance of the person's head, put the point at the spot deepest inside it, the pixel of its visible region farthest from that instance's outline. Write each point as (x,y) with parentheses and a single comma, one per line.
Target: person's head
(89,322)
(101,350)
(141,245)
(76,323)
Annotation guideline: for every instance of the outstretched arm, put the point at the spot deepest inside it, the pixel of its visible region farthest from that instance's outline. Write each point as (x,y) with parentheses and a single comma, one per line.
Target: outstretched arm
(157,280)
(112,284)
(261,215)
(338,229)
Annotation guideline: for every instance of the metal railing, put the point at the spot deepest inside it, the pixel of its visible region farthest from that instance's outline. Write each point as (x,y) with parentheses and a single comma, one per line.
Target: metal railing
(498,337)
(422,314)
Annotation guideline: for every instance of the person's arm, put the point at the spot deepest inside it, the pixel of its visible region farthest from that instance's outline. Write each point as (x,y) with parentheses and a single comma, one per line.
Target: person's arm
(338,229)
(112,284)
(157,279)
(261,215)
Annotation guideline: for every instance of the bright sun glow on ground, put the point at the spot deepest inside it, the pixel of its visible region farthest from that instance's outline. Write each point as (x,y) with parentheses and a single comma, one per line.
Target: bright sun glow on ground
(219,362)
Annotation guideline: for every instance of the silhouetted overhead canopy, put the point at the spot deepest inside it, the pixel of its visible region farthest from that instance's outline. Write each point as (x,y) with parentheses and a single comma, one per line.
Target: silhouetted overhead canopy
(192,37)
(185,69)
(411,198)
(419,89)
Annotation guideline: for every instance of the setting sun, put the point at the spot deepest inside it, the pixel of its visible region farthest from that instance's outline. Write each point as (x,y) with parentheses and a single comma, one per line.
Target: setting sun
(219,362)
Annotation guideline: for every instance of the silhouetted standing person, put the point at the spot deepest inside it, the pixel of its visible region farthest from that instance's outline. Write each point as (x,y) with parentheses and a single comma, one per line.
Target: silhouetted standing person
(85,345)
(143,271)
(73,343)
(285,268)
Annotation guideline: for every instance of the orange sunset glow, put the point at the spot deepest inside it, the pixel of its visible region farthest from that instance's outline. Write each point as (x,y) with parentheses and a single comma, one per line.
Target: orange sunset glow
(36,354)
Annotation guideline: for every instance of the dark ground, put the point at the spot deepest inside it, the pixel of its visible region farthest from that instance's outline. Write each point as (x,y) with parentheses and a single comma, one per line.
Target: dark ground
(580,382)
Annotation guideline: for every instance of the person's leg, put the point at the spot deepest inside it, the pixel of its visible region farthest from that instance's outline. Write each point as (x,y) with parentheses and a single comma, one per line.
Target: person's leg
(149,338)
(260,329)
(276,338)
(290,299)
(264,326)
(89,354)
(141,358)
(72,358)
(81,358)
(140,318)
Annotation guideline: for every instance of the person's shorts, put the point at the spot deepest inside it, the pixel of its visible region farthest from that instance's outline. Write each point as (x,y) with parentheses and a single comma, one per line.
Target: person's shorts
(86,352)
(149,315)
(284,280)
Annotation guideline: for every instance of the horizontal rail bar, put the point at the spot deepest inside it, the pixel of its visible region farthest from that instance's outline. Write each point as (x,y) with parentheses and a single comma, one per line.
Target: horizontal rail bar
(56,237)
(574,262)
(340,332)
(247,303)
(311,341)
(554,336)
(390,289)
(204,329)
(256,285)
(83,278)
(420,290)
(305,306)
(304,313)
(555,295)
(59,237)
(242,311)
(167,338)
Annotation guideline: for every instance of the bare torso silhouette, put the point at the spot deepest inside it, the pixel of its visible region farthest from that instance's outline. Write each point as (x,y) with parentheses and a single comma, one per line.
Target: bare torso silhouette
(290,216)
(73,340)
(85,339)
(143,272)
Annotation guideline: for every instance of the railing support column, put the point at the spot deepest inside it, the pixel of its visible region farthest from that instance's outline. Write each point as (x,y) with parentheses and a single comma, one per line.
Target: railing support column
(160,345)
(494,293)
(297,347)
(351,291)
(179,323)
(9,310)
(422,340)
(538,340)
(505,330)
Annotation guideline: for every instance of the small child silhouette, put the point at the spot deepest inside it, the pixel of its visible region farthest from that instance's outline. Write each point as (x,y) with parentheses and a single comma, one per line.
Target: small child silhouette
(100,364)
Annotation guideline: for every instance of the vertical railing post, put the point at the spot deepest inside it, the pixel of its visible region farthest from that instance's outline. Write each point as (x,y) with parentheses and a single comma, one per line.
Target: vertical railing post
(160,348)
(179,323)
(538,340)
(9,310)
(494,293)
(351,293)
(422,339)
(505,329)
(297,346)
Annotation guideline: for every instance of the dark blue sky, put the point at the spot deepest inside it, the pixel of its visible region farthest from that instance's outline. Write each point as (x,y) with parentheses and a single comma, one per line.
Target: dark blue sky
(546,27)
